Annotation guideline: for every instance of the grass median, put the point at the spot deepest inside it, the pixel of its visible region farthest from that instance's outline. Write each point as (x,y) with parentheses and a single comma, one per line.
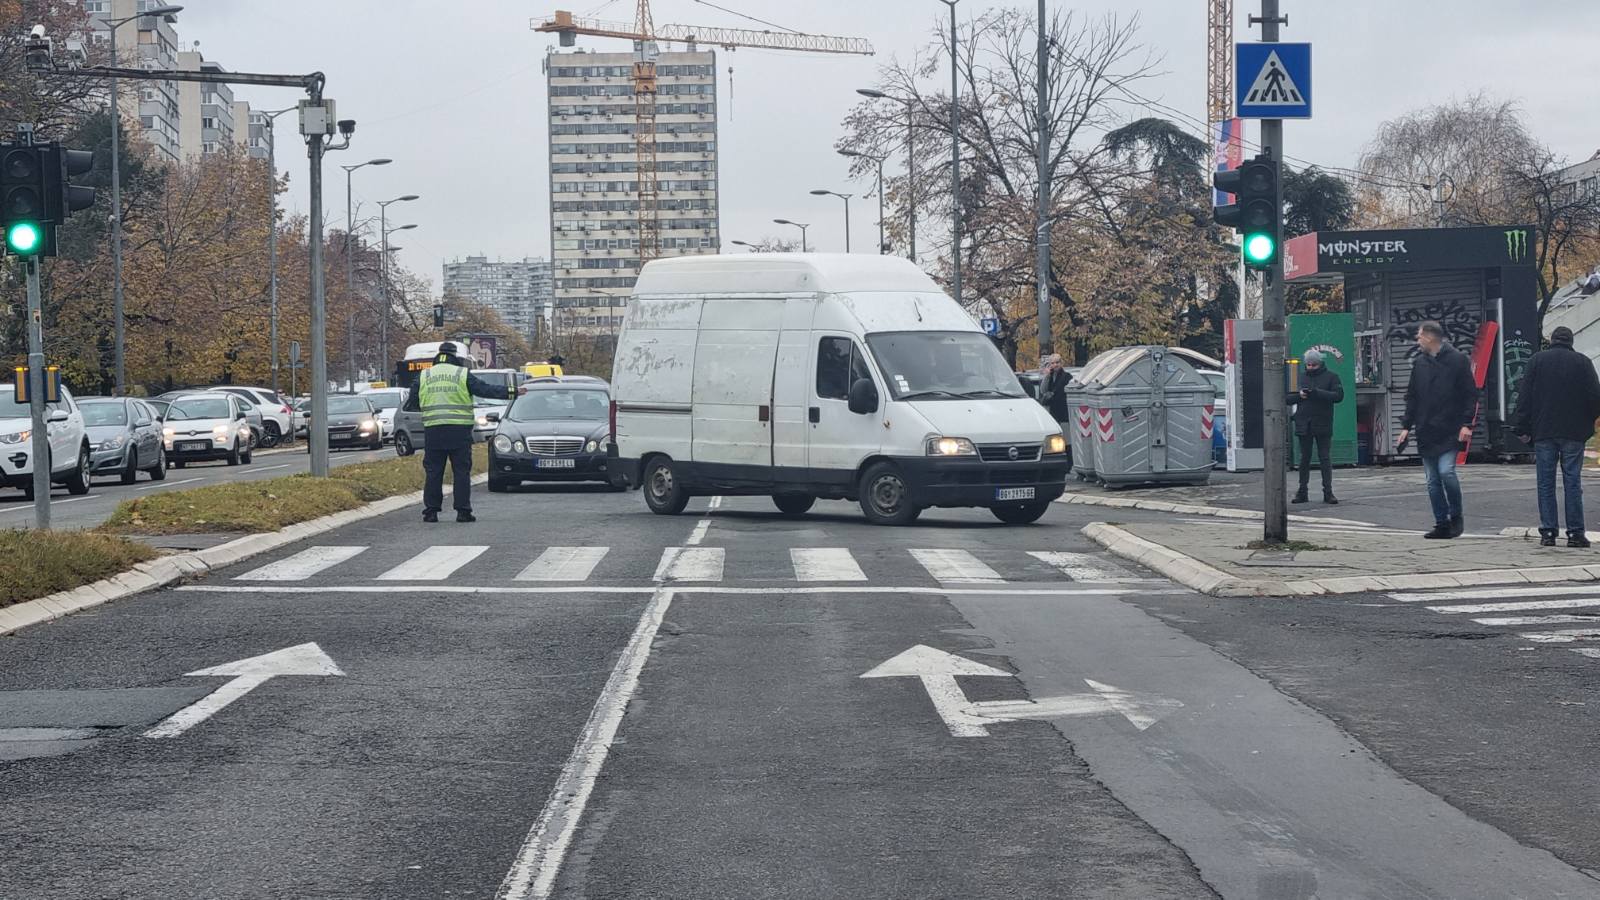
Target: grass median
(39,563)
(271,504)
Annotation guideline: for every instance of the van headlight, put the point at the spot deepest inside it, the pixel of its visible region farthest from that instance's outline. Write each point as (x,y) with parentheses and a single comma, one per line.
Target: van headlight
(502,444)
(1055,445)
(951,446)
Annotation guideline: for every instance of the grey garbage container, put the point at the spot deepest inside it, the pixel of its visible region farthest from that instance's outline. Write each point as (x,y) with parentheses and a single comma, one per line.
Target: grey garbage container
(1152,419)
(1081,430)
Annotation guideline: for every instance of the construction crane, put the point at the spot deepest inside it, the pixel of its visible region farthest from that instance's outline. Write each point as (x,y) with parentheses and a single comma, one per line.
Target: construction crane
(1219,61)
(646,37)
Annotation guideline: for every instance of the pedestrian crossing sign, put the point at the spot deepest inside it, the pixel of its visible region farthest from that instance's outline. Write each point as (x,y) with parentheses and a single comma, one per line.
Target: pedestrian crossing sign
(1273,81)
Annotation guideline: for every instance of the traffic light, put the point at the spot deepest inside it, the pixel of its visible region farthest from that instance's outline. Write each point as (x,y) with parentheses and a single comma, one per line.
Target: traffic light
(1255,211)
(438,316)
(22,197)
(61,197)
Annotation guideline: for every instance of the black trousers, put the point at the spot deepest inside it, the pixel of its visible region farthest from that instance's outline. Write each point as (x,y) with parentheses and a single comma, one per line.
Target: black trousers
(460,459)
(1324,446)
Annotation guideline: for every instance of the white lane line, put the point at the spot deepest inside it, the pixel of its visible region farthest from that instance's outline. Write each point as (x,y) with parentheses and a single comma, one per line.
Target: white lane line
(690,564)
(434,564)
(302,565)
(1521,606)
(564,564)
(1539,620)
(1082,566)
(1591,652)
(1566,636)
(435,589)
(533,873)
(269,468)
(704,525)
(825,564)
(161,484)
(71,500)
(1496,593)
(956,567)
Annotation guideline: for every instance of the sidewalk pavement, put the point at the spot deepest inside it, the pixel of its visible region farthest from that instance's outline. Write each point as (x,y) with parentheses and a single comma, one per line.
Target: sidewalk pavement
(1213,557)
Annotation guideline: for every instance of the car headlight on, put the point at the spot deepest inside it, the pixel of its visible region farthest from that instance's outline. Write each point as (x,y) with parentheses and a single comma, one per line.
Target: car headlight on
(169,433)
(219,432)
(113,443)
(951,446)
(15,437)
(483,421)
(502,444)
(367,426)
(591,447)
(1055,445)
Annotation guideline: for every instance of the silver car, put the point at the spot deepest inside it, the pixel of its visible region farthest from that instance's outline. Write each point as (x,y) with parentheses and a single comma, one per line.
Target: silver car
(124,438)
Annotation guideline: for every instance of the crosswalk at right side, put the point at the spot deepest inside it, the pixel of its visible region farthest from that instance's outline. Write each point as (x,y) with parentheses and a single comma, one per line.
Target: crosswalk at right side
(1526,611)
(476,563)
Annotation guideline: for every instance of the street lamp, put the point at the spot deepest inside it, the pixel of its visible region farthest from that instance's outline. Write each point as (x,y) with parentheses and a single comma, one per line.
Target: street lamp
(168,13)
(383,276)
(349,264)
(955,155)
(272,237)
(846,199)
(744,244)
(802,227)
(911,164)
(879,160)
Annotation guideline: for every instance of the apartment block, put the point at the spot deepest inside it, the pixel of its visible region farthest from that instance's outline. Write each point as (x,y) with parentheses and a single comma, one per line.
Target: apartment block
(148,42)
(519,291)
(205,111)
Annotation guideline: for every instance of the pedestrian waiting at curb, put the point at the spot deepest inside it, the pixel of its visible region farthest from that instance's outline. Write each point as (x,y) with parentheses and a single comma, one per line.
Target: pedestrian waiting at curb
(1441,402)
(1053,382)
(1320,391)
(1559,403)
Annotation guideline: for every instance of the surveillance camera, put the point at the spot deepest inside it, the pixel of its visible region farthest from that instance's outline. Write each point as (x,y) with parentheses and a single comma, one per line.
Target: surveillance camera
(37,33)
(347,127)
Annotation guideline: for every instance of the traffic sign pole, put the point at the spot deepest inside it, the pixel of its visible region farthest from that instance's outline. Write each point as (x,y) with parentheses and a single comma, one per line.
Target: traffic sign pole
(1274,343)
(36,395)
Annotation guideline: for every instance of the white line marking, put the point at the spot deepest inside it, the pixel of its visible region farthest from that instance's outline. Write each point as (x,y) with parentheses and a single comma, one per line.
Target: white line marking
(248,674)
(1566,636)
(1526,605)
(269,468)
(161,484)
(533,874)
(1494,593)
(704,525)
(302,565)
(1082,566)
(1591,652)
(1539,620)
(564,564)
(825,564)
(690,564)
(71,500)
(738,591)
(433,564)
(956,567)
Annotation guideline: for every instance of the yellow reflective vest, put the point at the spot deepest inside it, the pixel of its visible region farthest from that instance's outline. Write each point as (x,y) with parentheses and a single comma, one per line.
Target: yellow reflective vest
(444,397)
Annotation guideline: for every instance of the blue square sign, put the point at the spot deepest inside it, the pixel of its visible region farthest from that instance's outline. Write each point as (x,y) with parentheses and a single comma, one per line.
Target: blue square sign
(1273,81)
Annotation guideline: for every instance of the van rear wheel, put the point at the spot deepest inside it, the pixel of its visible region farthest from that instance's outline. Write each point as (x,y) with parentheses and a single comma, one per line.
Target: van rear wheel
(793,504)
(663,492)
(885,497)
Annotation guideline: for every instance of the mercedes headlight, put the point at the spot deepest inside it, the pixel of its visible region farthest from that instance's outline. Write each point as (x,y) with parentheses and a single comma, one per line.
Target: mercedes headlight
(15,437)
(502,444)
(951,446)
(517,446)
(1055,445)
(591,447)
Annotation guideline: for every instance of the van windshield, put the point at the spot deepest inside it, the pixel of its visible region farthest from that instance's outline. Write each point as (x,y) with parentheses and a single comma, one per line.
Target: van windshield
(942,365)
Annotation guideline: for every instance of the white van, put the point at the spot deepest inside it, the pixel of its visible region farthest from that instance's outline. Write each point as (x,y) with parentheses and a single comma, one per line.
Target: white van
(823,375)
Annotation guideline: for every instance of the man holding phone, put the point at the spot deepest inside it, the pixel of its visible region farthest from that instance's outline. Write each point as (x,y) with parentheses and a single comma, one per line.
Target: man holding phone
(1320,391)
(1441,402)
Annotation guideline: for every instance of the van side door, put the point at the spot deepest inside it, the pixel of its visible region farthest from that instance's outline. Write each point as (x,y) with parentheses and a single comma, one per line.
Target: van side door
(735,363)
(791,394)
(840,439)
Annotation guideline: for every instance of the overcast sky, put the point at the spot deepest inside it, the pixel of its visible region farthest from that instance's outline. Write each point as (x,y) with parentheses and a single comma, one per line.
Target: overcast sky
(455,94)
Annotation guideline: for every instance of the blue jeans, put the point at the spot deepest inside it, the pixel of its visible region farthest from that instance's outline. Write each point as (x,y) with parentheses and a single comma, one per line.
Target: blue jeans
(1570,454)
(1444,488)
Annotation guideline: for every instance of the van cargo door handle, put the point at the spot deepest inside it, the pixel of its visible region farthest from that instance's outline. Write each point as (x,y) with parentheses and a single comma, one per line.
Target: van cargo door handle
(764,413)
(816,414)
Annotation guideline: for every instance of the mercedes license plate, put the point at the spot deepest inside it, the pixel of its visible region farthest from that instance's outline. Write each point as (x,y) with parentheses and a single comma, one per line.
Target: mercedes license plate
(556,464)
(1013,493)
(192,446)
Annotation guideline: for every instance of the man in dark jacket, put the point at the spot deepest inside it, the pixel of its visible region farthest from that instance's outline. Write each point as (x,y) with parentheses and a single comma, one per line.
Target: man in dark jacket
(1053,382)
(1320,391)
(1441,402)
(1559,402)
(444,394)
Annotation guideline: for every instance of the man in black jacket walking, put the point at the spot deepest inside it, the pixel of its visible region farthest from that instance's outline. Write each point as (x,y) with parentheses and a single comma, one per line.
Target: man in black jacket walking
(1559,402)
(1320,391)
(1441,402)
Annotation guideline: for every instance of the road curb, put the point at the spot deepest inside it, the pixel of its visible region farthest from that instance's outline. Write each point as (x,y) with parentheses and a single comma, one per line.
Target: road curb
(1194,574)
(1192,509)
(168,570)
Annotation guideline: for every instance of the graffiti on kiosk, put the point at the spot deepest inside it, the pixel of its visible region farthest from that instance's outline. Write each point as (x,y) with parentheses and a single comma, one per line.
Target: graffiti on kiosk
(1517,351)
(1460,324)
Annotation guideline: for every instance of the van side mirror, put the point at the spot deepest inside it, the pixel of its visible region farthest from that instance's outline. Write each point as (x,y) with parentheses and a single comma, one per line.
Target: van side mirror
(863,397)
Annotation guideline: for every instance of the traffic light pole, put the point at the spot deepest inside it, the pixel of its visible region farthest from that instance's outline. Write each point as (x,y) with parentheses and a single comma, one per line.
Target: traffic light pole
(1274,343)
(36,378)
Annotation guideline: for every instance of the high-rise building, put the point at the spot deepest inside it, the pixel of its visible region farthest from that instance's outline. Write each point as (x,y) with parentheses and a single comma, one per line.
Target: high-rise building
(148,42)
(205,111)
(594,183)
(518,291)
(260,134)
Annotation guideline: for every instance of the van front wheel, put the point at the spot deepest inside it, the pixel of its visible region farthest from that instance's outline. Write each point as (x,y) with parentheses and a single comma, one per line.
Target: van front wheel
(885,497)
(1026,514)
(663,492)
(793,504)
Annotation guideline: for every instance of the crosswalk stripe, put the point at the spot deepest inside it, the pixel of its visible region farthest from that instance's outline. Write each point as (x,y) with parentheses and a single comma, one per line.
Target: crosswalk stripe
(956,567)
(1082,566)
(434,564)
(564,564)
(1538,620)
(1561,637)
(690,564)
(1494,593)
(1591,652)
(302,565)
(825,564)
(1518,606)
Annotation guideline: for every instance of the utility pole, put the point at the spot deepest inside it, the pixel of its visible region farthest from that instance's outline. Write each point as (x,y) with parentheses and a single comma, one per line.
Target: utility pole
(955,156)
(1274,344)
(1042,225)
(36,379)
(117,307)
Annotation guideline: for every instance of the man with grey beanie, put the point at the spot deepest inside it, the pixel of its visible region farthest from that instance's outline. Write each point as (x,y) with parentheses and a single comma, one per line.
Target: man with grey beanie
(1320,390)
(1556,410)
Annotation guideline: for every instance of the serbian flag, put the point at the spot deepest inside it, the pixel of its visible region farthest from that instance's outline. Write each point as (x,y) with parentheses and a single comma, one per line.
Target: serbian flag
(1228,138)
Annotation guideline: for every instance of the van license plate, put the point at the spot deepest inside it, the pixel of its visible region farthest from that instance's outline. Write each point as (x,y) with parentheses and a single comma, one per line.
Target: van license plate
(1013,493)
(555,464)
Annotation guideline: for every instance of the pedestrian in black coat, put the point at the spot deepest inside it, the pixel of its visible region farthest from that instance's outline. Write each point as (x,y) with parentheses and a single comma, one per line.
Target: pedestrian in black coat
(1320,391)
(1441,402)
(1556,411)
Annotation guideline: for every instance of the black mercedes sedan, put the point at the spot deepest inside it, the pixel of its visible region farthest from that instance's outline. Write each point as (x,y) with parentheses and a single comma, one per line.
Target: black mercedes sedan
(557,431)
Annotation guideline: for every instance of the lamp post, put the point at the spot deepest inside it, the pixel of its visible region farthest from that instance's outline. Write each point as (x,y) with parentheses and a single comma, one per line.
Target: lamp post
(879,160)
(383,276)
(955,156)
(846,198)
(272,239)
(799,225)
(349,264)
(168,13)
(911,166)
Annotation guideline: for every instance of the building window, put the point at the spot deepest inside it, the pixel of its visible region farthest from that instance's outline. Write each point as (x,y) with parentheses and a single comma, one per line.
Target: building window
(97,6)
(208,122)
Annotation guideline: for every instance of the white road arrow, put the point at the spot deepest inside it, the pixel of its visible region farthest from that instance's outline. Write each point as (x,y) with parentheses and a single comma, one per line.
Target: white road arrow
(938,670)
(248,674)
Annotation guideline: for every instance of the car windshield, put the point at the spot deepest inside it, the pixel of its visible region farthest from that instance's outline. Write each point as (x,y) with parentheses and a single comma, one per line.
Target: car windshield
(942,365)
(114,413)
(339,406)
(561,404)
(197,408)
(384,399)
(1219,382)
(9,407)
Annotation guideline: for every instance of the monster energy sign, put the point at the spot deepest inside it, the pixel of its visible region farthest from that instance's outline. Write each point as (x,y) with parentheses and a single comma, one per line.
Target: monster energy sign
(1413,249)
(1516,244)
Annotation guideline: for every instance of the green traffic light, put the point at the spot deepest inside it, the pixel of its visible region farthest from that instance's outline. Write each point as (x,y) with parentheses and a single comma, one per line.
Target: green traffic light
(24,238)
(1259,248)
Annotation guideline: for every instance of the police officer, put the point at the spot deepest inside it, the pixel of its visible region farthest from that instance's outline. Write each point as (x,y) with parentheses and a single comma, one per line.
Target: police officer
(445,394)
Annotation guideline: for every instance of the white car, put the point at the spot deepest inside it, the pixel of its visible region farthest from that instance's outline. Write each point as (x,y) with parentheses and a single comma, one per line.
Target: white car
(277,418)
(69,445)
(213,425)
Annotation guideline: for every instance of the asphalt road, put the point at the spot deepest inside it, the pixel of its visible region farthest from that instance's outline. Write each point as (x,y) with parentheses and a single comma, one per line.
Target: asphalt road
(574,698)
(95,507)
